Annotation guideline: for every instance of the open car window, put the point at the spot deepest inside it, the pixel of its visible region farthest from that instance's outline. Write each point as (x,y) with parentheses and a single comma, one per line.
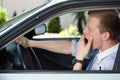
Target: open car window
(64,26)
(61,27)
(18,57)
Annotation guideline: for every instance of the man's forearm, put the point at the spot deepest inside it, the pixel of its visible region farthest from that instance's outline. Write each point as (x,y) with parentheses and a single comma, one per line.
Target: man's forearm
(62,46)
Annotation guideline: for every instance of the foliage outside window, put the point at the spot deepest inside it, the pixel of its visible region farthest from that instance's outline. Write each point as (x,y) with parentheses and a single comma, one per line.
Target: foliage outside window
(72,31)
(3,15)
(54,25)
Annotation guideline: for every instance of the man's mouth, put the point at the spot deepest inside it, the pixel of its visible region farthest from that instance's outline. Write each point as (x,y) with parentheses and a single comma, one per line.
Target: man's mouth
(86,41)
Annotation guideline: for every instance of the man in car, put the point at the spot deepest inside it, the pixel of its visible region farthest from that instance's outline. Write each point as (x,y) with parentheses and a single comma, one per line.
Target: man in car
(101,35)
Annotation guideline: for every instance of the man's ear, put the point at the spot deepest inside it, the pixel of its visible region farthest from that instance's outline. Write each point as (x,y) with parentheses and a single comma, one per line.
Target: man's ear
(106,35)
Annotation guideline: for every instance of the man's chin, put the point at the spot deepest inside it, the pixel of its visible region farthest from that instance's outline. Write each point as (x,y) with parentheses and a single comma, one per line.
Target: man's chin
(93,47)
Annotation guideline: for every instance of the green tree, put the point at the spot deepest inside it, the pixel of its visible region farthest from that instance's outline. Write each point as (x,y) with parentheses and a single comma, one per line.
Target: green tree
(3,15)
(80,17)
(54,25)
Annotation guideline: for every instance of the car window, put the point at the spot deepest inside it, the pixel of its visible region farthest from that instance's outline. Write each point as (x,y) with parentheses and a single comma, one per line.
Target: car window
(12,22)
(63,31)
(65,26)
(59,28)
(64,23)
(62,27)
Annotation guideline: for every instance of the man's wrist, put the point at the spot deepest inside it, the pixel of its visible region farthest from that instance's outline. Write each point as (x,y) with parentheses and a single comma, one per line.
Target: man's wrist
(79,57)
(29,43)
(75,60)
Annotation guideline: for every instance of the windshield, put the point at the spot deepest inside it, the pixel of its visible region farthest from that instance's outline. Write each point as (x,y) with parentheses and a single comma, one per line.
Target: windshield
(8,25)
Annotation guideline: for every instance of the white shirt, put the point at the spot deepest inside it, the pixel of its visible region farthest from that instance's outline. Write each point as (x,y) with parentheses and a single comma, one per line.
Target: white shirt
(105,60)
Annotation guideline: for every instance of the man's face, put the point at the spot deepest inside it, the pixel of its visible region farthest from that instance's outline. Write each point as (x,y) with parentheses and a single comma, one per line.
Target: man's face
(92,30)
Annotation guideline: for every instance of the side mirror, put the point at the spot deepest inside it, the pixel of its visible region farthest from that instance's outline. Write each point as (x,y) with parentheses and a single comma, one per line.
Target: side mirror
(40,29)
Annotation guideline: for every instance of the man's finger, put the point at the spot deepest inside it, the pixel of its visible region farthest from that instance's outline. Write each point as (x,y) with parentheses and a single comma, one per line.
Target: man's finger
(81,39)
(90,42)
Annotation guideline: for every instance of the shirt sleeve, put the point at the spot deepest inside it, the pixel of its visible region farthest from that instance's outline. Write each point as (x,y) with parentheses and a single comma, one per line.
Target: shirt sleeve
(74,47)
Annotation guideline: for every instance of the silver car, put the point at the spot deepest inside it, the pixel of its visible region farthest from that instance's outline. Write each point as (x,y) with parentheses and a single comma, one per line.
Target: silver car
(17,62)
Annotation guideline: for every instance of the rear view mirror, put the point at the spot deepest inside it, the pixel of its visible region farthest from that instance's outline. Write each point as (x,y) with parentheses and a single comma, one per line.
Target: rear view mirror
(40,29)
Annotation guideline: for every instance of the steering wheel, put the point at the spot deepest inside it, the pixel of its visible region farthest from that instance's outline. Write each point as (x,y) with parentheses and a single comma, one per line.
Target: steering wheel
(28,58)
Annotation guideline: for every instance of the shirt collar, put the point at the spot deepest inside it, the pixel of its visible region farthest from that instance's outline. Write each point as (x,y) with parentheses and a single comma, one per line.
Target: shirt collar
(107,52)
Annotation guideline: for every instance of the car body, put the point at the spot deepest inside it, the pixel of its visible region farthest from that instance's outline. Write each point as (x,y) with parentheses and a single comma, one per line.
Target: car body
(15,57)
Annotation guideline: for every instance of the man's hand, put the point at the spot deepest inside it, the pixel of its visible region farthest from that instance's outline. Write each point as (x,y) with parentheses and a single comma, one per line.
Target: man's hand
(82,50)
(83,47)
(23,41)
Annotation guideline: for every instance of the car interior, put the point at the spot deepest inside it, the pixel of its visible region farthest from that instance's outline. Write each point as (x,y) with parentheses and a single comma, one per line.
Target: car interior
(16,57)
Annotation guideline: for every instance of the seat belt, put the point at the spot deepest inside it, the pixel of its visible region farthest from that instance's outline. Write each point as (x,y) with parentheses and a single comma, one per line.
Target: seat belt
(92,59)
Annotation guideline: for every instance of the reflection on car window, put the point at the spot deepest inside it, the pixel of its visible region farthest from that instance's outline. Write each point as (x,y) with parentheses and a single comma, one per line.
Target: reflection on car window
(9,23)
